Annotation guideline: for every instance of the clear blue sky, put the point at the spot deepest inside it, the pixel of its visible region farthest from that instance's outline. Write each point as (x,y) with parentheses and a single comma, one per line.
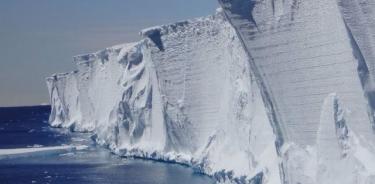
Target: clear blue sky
(39,37)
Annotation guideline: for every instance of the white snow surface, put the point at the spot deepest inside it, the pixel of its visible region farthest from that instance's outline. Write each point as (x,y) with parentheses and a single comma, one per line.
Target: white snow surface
(278,94)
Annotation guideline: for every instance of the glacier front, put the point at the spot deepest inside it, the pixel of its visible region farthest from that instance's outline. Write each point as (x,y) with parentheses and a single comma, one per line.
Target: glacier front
(262,92)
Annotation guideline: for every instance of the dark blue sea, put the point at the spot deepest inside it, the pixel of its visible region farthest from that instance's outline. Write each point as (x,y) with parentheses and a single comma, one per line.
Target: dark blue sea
(27,127)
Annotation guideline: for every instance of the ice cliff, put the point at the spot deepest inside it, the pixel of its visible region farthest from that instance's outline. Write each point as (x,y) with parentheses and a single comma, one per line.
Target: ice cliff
(264,91)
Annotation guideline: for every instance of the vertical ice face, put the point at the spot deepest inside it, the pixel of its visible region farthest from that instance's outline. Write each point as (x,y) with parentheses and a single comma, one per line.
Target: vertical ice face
(302,51)
(185,93)
(210,94)
(333,147)
(339,151)
(64,96)
(245,95)
(112,93)
(359,16)
(339,154)
(192,68)
(138,118)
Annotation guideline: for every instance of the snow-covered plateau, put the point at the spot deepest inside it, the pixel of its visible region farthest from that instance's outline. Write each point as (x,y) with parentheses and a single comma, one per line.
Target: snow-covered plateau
(262,92)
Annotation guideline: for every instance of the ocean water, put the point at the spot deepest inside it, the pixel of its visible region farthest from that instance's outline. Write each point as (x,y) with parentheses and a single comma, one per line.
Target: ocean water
(24,127)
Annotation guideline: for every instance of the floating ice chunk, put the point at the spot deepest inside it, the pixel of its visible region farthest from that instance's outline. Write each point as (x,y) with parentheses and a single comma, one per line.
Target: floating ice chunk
(22,152)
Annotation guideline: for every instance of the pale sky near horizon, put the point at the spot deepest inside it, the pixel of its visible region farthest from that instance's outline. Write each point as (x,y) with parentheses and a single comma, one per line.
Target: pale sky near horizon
(40,37)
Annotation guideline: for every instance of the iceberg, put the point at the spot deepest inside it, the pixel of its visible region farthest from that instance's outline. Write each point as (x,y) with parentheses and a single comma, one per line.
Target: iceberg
(261,92)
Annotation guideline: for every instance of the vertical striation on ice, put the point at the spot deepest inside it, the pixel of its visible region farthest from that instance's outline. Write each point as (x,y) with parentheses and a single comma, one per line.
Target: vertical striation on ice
(271,91)
(185,93)
(302,54)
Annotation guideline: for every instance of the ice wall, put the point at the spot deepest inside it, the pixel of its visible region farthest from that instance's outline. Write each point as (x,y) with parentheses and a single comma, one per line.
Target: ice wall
(339,155)
(359,16)
(185,93)
(300,52)
(264,91)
